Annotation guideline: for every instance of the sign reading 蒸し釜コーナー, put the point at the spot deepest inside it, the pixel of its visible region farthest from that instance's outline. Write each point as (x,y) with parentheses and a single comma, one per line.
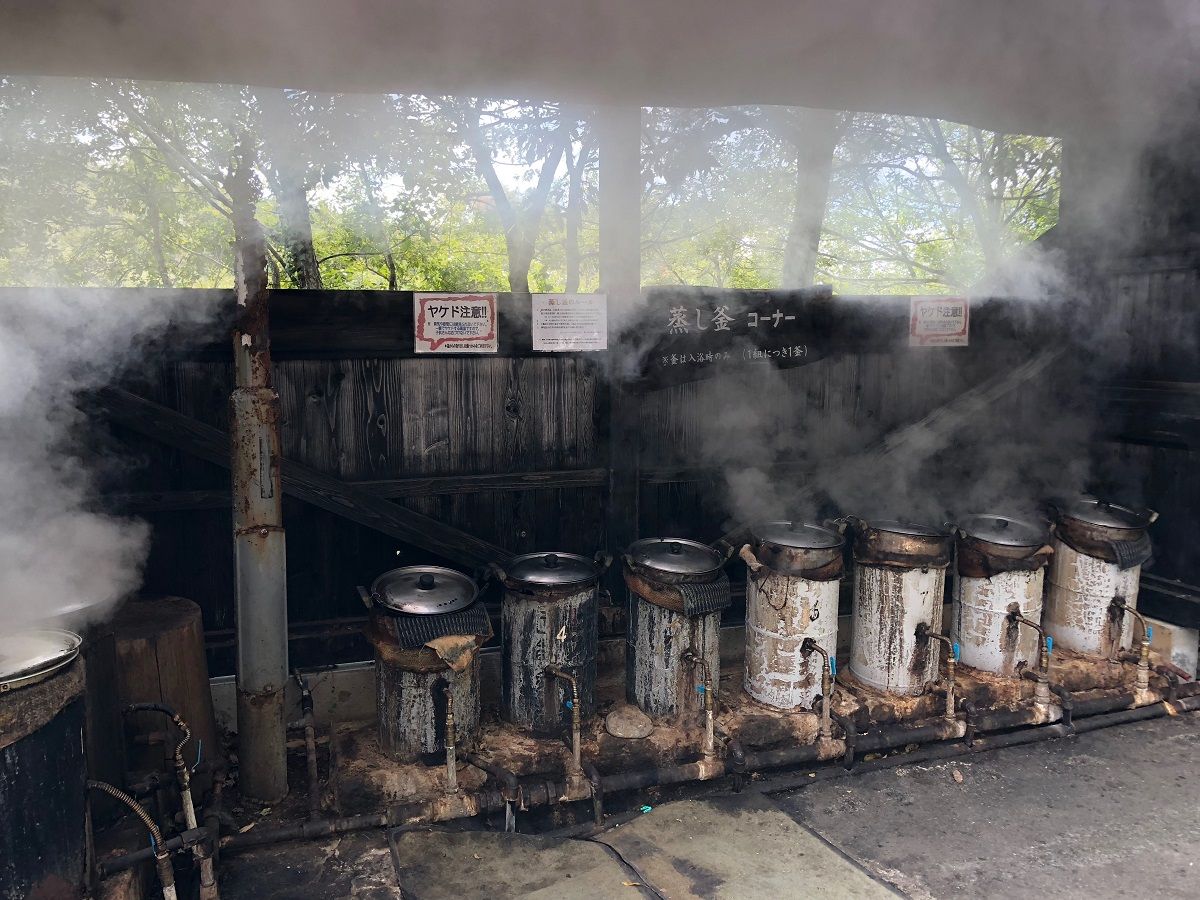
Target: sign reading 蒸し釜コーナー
(939,322)
(694,333)
(565,323)
(454,323)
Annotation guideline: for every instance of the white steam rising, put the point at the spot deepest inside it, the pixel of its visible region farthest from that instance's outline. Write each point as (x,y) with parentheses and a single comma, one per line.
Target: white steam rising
(61,561)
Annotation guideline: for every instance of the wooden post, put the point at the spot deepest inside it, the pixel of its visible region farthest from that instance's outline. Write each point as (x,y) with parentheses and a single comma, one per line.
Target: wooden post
(258,537)
(160,648)
(619,142)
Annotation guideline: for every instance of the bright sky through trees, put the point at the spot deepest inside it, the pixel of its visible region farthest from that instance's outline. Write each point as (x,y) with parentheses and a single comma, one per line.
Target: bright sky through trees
(116,183)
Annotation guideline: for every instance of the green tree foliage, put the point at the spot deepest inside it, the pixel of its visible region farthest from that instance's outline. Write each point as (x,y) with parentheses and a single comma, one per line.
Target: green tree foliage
(116,183)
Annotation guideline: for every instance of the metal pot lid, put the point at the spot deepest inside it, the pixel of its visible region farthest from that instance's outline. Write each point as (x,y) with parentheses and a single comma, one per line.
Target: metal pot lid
(797,535)
(1107,515)
(912,529)
(1006,531)
(424,590)
(26,656)
(552,569)
(677,556)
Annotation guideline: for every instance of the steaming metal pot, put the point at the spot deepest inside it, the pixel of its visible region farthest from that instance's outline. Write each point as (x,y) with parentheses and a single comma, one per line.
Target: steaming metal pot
(899,584)
(1000,564)
(677,590)
(1099,550)
(792,586)
(43,766)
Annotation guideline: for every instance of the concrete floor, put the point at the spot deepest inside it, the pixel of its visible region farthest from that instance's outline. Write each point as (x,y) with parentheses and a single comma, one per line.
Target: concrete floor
(1113,813)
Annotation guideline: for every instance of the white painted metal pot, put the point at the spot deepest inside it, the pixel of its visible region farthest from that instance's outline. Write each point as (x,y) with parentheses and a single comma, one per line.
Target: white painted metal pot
(899,585)
(792,585)
(999,571)
(1099,549)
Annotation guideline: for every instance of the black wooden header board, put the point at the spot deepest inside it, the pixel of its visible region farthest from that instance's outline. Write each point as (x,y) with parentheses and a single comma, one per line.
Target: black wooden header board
(686,334)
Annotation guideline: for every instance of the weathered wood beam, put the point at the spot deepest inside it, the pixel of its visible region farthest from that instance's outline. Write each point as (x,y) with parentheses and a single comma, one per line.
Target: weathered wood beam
(354,503)
(432,486)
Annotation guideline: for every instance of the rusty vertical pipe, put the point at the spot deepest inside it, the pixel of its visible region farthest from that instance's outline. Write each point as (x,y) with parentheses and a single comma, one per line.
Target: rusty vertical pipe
(258,538)
(451,749)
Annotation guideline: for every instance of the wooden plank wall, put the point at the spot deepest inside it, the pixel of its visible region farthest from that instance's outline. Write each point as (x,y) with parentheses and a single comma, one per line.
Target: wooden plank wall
(365,420)
(1156,300)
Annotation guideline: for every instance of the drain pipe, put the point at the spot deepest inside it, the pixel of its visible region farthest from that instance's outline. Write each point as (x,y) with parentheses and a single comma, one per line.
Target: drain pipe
(576,727)
(849,737)
(924,631)
(467,804)
(308,721)
(1143,658)
(807,646)
(162,856)
(208,880)
(1040,678)
(260,586)
(451,761)
(708,747)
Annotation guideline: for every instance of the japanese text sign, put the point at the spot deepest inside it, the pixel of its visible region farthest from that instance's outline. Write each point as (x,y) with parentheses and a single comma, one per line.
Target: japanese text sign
(698,333)
(455,323)
(565,323)
(938,322)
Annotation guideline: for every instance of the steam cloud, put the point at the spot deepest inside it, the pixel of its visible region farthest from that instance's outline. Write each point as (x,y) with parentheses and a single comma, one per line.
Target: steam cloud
(61,561)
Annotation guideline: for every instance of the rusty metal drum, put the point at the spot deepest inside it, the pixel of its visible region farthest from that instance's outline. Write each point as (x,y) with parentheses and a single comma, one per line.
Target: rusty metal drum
(1099,549)
(899,585)
(549,618)
(999,568)
(43,769)
(794,573)
(677,590)
(426,663)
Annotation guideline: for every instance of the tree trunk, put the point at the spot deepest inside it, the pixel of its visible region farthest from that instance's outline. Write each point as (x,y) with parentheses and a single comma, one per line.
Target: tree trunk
(574,217)
(521,226)
(295,230)
(154,215)
(287,177)
(380,234)
(814,135)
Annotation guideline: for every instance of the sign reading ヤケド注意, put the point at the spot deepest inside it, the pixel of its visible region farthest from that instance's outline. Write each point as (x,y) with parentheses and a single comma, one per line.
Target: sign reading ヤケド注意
(454,323)
(939,322)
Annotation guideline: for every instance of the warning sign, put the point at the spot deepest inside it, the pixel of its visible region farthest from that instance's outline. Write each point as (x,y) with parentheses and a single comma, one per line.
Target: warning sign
(455,323)
(568,322)
(938,322)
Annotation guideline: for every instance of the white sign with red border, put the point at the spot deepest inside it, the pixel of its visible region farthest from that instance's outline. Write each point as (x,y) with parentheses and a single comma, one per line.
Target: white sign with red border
(454,323)
(939,322)
(565,323)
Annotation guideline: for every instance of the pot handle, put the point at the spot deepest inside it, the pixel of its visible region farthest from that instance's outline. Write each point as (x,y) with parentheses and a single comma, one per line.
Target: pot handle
(1153,517)
(840,524)
(750,559)
(365,596)
(603,559)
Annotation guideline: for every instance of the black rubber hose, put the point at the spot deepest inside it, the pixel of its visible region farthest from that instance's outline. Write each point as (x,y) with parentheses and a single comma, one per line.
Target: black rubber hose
(138,810)
(170,845)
